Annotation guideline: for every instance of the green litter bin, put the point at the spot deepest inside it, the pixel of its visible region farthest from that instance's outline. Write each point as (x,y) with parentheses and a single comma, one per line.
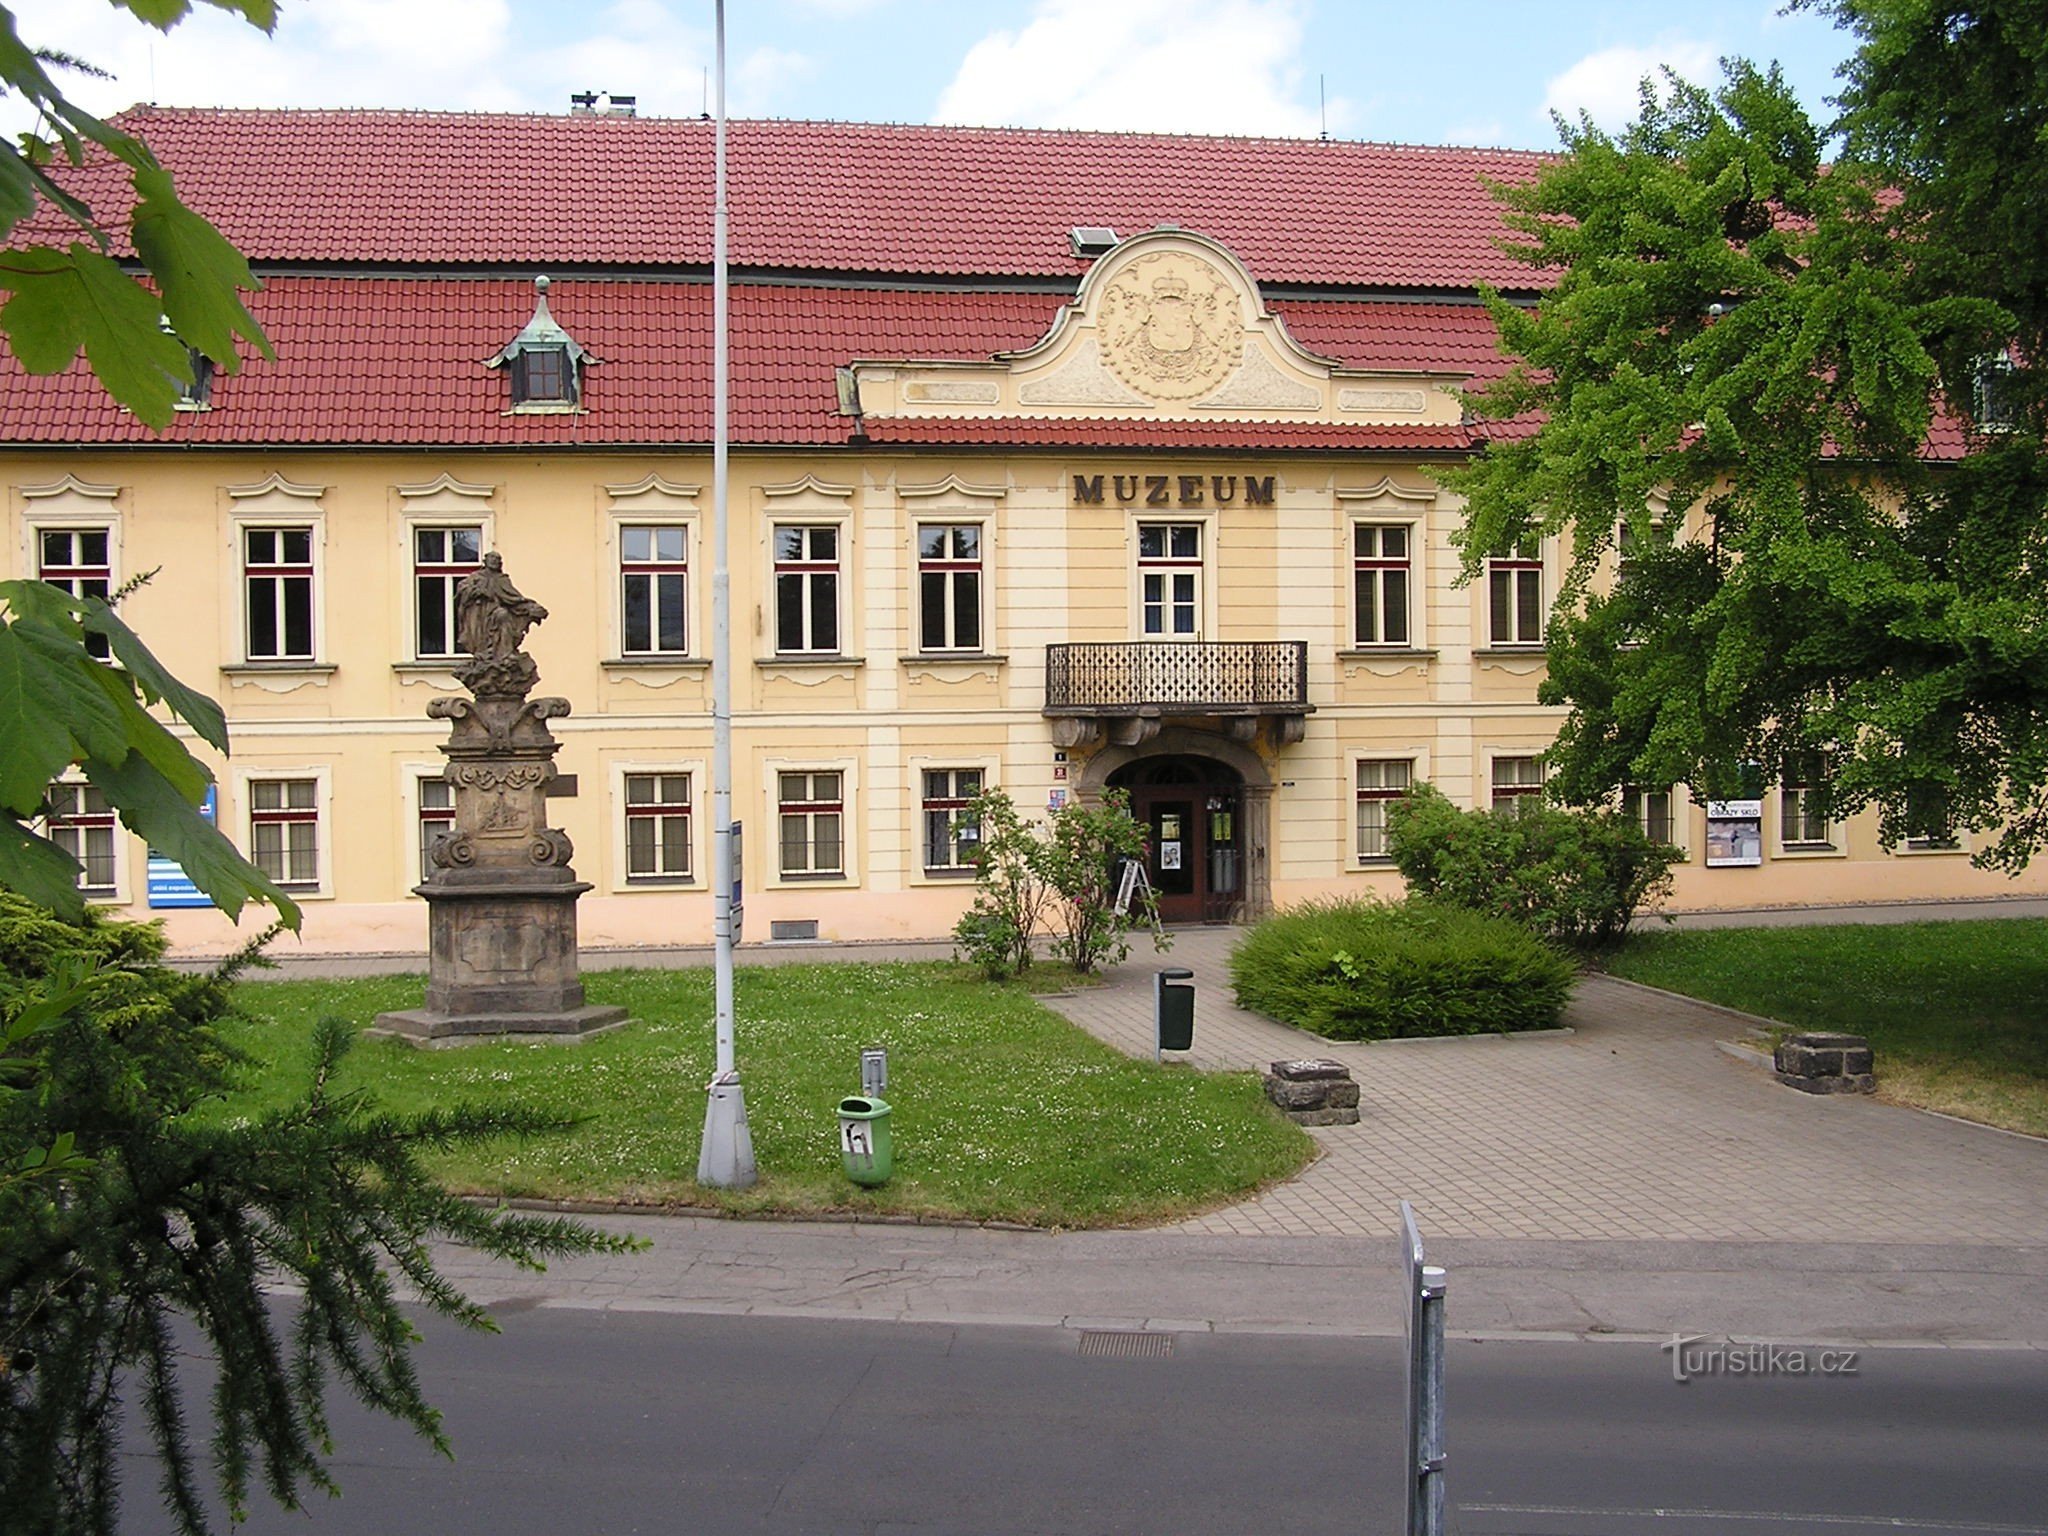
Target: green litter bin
(864,1141)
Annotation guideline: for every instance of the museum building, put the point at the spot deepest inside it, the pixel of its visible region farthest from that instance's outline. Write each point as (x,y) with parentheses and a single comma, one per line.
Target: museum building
(1060,461)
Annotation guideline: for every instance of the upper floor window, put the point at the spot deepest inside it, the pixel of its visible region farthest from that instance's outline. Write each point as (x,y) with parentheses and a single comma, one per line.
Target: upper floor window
(1170,580)
(806,589)
(441,557)
(1379,558)
(1514,588)
(654,577)
(78,561)
(277,584)
(949,586)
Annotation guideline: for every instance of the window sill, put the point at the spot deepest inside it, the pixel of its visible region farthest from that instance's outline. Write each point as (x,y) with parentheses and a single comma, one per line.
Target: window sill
(1811,851)
(819,877)
(1532,652)
(949,876)
(811,659)
(548,408)
(278,676)
(661,883)
(1385,653)
(1945,850)
(684,663)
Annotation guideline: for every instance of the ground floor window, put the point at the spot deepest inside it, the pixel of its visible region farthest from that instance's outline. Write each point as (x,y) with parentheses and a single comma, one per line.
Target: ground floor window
(284,830)
(1805,818)
(82,823)
(1649,809)
(812,816)
(1381,781)
(950,839)
(657,826)
(437,819)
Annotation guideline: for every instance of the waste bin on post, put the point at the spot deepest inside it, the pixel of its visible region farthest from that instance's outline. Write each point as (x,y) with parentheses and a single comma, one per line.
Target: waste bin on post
(1173,1011)
(864,1141)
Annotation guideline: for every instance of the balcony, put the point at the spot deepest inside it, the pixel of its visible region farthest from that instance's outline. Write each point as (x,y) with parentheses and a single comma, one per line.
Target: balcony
(1125,689)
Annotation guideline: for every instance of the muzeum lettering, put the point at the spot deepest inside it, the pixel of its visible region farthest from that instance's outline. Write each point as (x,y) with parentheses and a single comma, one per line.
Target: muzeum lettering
(1173,490)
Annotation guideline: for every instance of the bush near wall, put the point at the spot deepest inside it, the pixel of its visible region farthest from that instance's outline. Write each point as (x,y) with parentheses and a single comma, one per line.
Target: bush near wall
(1373,970)
(1577,877)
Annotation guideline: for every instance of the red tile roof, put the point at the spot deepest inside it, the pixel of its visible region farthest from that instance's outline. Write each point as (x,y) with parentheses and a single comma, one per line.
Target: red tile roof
(1101,432)
(478,189)
(398,361)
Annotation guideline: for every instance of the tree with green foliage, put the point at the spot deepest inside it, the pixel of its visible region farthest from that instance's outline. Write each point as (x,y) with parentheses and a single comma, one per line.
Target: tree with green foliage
(1810,396)
(1083,861)
(132,315)
(1010,893)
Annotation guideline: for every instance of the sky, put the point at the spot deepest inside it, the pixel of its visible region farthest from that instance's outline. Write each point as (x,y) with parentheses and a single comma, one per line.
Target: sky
(1476,72)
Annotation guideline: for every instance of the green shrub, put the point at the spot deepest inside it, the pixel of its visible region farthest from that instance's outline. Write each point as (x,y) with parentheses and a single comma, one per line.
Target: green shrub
(1371,970)
(1578,877)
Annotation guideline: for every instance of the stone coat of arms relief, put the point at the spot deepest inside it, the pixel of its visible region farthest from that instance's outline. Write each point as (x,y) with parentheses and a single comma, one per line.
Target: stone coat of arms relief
(1170,326)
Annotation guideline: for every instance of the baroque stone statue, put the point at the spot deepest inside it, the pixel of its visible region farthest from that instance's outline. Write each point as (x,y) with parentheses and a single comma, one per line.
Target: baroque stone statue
(491,620)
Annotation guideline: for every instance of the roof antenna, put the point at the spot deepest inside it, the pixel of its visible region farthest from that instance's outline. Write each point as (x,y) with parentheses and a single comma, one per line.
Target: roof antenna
(705,110)
(1323,96)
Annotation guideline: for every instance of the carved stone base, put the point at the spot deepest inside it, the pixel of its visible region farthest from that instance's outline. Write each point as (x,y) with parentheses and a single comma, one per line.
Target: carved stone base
(502,962)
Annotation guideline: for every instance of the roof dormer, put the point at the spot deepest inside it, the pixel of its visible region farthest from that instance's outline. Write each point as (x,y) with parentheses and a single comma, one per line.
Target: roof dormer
(546,362)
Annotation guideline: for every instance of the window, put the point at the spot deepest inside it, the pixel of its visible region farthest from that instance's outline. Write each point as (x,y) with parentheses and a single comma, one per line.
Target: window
(542,375)
(437,819)
(284,830)
(1805,816)
(1514,584)
(806,589)
(811,815)
(1991,392)
(654,575)
(1517,781)
(657,826)
(441,557)
(1628,546)
(1381,781)
(197,393)
(949,586)
(1170,580)
(81,822)
(1929,826)
(950,837)
(1379,559)
(277,583)
(78,561)
(1649,809)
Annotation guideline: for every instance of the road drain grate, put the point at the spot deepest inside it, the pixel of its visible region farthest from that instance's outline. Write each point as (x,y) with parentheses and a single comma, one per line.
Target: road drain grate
(1126,1346)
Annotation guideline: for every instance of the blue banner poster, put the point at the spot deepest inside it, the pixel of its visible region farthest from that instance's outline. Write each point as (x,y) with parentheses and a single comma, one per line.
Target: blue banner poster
(169,885)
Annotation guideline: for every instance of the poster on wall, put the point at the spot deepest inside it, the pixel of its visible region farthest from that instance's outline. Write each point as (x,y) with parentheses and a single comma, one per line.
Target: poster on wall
(1735,833)
(168,884)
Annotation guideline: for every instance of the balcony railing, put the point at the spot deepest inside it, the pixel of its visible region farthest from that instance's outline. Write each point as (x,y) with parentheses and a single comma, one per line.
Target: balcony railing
(1216,677)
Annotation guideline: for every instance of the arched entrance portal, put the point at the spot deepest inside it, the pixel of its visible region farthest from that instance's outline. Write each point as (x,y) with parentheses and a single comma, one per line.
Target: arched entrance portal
(1193,809)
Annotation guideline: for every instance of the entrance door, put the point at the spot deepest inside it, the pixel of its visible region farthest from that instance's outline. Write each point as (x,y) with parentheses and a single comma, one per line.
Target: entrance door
(1189,808)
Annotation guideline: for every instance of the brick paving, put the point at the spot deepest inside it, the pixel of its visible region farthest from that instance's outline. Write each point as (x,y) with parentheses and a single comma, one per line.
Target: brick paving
(1634,1126)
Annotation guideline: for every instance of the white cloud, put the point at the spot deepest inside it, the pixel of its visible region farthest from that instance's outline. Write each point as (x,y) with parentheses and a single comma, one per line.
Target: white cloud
(1200,66)
(1606,85)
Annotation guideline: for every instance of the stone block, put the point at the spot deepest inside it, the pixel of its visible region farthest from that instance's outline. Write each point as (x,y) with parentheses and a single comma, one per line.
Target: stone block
(1342,1095)
(1310,1070)
(1324,1116)
(1293,1096)
(1825,1062)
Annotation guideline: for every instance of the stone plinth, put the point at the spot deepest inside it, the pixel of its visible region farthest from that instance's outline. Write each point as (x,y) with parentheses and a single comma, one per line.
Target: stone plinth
(1314,1092)
(501,895)
(1825,1063)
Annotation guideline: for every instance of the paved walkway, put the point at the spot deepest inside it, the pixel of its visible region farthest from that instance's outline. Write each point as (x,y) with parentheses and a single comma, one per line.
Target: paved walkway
(1635,1126)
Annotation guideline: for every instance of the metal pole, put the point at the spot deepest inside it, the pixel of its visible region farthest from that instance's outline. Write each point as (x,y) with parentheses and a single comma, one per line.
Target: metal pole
(1423,1317)
(726,1160)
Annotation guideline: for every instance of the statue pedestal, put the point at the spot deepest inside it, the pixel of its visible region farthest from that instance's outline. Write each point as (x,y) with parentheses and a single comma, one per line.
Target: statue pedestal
(502,965)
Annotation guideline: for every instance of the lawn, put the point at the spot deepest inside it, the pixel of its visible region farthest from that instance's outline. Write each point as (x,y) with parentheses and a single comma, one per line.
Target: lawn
(1001,1109)
(1957,1012)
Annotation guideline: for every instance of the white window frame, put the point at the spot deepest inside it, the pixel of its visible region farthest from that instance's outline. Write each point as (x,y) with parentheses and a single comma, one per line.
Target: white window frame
(1507,572)
(412,777)
(1496,791)
(768,855)
(625,570)
(314,528)
(1958,842)
(326,847)
(948,565)
(627,812)
(445,572)
(35,525)
(1381,565)
(1678,810)
(1168,564)
(954,870)
(445,503)
(1834,846)
(808,567)
(1380,795)
(115,893)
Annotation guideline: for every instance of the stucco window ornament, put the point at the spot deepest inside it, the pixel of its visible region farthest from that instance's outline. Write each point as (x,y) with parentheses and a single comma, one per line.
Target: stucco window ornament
(546,361)
(1171,326)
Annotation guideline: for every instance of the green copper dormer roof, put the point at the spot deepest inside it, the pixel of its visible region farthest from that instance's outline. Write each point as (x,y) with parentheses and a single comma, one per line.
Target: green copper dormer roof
(543,330)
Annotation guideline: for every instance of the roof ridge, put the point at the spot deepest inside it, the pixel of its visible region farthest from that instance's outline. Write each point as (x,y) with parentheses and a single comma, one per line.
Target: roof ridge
(438,114)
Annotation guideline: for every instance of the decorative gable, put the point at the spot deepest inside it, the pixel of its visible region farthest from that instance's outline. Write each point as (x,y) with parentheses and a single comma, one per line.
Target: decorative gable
(1169,325)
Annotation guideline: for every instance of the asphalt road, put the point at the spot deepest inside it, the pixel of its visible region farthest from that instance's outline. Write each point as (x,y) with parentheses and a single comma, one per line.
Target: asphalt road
(584,1421)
